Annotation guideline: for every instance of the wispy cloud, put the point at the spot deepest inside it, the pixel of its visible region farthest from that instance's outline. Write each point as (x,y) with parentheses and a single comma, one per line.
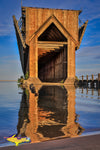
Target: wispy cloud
(5,29)
(10,68)
(86,71)
(12,59)
(88,51)
(97,57)
(94,17)
(7,9)
(88,60)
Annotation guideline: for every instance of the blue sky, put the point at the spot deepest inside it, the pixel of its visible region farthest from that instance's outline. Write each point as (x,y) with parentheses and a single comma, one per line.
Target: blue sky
(87,57)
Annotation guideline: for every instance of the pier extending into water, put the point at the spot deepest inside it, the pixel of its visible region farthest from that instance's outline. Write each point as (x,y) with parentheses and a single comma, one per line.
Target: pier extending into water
(90,80)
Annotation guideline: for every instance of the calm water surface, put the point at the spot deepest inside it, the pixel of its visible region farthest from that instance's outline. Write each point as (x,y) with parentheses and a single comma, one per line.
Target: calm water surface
(53,112)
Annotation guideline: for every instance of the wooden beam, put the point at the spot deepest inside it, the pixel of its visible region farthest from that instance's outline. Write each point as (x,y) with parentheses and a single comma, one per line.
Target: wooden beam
(51,42)
(45,49)
(42,52)
(18,31)
(48,47)
(82,33)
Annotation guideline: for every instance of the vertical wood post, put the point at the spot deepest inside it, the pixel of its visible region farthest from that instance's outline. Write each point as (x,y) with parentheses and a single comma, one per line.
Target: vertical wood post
(70,62)
(98,79)
(33,59)
(82,78)
(92,77)
(92,82)
(86,80)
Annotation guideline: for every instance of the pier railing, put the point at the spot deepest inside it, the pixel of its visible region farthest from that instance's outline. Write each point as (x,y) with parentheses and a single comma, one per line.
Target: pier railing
(92,80)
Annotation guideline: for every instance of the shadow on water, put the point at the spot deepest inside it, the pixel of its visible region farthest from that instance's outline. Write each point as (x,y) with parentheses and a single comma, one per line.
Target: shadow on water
(48,113)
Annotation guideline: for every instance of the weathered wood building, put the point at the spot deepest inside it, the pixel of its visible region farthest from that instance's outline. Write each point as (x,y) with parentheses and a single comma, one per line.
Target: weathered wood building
(47,41)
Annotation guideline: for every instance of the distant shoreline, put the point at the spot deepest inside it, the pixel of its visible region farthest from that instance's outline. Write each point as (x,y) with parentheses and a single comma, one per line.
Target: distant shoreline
(8,80)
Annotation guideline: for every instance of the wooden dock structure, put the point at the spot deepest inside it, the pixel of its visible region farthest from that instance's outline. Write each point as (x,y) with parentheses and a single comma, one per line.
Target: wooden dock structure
(47,41)
(92,80)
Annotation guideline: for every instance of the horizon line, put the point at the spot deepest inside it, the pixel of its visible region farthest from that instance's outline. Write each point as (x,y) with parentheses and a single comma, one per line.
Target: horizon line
(8,80)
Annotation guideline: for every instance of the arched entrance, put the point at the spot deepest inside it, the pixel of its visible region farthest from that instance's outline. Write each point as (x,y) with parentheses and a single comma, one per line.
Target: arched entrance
(52,55)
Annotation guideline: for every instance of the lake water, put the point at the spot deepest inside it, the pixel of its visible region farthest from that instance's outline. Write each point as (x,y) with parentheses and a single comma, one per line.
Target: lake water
(54,112)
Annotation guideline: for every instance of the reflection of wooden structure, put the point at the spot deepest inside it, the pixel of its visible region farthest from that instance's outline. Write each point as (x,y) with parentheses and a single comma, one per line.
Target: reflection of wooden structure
(90,91)
(50,115)
(47,42)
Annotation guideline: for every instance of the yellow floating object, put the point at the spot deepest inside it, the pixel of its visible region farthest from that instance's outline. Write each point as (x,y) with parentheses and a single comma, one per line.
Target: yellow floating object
(16,140)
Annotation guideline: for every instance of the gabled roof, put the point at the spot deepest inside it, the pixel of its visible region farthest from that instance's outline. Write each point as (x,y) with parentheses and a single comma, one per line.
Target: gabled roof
(24,7)
(47,23)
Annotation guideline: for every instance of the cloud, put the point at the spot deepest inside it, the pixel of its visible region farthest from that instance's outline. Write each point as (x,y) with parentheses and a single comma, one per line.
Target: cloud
(88,60)
(7,9)
(88,71)
(97,57)
(88,108)
(10,68)
(12,59)
(94,17)
(92,51)
(5,29)
(91,9)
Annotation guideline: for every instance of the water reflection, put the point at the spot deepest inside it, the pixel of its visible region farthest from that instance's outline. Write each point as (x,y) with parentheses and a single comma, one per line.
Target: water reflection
(48,114)
(23,114)
(89,92)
